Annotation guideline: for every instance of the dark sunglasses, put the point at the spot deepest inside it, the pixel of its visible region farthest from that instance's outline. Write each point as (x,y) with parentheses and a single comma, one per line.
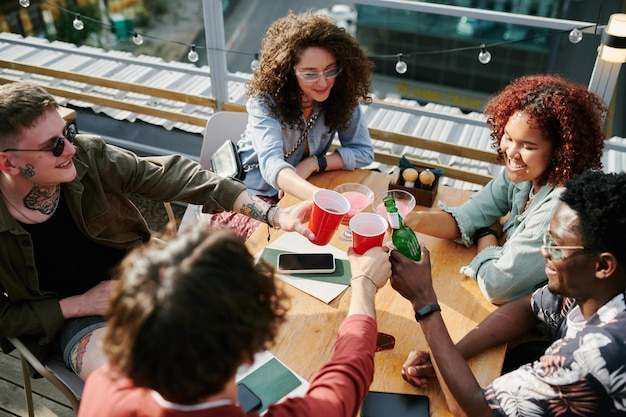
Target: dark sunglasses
(58,146)
(385,341)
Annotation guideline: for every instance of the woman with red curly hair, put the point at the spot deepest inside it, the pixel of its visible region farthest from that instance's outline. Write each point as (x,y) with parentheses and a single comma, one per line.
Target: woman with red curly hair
(306,91)
(546,130)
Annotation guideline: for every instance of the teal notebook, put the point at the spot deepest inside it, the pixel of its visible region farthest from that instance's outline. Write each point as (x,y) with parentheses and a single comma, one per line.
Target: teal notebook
(271,382)
(340,276)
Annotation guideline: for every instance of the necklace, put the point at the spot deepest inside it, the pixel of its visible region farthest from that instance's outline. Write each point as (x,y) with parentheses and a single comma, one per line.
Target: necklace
(531,195)
(21,212)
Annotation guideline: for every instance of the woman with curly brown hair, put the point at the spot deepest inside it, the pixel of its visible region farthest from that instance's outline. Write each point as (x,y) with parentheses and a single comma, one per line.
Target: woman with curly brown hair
(307,88)
(546,130)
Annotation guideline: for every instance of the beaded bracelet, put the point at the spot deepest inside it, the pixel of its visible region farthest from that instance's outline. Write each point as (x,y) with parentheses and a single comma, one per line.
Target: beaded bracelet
(368,277)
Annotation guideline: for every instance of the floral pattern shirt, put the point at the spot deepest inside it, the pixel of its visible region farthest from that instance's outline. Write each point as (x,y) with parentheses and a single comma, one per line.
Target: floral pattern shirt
(583,373)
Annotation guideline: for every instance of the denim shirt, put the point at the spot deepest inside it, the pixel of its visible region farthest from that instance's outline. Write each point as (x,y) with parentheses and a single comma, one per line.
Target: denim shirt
(516,268)
(97,200)
(265,142)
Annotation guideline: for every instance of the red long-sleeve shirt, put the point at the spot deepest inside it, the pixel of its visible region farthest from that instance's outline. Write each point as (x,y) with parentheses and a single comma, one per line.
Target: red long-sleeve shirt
(336,390)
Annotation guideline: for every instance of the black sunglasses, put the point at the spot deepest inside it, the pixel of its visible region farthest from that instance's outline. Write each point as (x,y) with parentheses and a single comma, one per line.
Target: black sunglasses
(58,146)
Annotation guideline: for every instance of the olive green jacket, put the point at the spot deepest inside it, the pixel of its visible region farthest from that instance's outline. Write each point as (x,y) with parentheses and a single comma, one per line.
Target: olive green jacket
(97,199)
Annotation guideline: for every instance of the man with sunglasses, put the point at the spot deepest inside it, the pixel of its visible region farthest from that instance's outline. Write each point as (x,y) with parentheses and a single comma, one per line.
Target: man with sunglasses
(584,303)
(66,222)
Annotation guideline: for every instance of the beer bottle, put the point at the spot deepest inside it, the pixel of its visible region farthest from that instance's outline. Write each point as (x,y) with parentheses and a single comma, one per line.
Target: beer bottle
(403,237)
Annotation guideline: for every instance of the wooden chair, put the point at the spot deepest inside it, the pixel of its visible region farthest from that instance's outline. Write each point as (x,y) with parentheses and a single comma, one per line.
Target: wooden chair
(221,126)
(54,371)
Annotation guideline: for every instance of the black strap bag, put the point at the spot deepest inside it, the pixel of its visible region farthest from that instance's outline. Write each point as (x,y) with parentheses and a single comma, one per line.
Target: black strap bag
(225,161)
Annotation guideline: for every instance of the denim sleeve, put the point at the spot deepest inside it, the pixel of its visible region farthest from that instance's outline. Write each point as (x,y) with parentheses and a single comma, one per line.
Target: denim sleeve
(507,272)
(356,145)
(482,209)
(267,138)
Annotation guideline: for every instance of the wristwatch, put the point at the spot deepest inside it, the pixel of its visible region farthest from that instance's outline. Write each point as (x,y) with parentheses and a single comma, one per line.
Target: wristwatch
(484,231)
(321,163)
(426,310)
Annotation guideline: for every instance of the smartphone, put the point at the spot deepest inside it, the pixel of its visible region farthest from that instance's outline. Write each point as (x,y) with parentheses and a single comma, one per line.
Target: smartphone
(248,400)
(383,404)
(302,263)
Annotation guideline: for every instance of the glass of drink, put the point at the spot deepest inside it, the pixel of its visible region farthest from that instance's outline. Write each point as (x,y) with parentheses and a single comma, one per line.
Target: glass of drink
(359,197)
(405,202)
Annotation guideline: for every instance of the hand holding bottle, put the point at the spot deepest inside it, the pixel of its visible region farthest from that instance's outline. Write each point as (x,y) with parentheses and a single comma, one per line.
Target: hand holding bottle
(403,237)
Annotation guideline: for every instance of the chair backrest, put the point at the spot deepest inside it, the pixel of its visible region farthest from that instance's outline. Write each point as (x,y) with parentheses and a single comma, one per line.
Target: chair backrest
(221,126)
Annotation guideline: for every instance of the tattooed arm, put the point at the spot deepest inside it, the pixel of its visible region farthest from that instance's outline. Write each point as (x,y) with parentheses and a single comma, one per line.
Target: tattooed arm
(289,219)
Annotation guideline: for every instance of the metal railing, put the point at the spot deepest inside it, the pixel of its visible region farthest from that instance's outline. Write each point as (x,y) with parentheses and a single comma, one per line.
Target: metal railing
(220,77)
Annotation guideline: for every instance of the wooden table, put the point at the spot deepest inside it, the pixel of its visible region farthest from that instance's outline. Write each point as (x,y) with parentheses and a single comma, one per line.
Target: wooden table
(306,339)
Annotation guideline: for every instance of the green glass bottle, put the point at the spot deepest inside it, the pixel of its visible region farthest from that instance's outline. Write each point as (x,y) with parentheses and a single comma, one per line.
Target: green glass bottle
(403,237)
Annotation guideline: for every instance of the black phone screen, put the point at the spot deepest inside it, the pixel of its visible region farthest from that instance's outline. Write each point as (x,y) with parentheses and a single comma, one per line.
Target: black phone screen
(383,404)
(319,262)
(248,400)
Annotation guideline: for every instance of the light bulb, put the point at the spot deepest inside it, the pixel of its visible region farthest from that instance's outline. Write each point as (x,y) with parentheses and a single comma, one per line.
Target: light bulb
(77,23)
(401,66)
(24,3)
(192,56)
(484,56)
(255,62)
(137,39)
(575,36)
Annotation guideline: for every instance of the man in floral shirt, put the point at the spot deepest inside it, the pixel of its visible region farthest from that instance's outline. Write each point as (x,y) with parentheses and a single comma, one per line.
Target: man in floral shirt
(583,372)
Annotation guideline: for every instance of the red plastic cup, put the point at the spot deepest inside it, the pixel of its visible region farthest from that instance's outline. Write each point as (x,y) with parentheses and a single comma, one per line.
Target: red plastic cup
(328,210)
(368,230)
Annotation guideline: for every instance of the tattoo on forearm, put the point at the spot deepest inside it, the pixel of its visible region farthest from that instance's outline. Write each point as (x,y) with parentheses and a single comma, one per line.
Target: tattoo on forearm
(257,209)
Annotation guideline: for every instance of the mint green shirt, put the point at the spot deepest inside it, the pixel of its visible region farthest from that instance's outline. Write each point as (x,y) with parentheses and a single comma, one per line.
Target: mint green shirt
(516,268)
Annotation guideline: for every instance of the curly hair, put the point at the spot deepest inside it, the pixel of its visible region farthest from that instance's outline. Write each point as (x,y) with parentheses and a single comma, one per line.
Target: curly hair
(569,116)
(599,199)
(281,48)
(185,316)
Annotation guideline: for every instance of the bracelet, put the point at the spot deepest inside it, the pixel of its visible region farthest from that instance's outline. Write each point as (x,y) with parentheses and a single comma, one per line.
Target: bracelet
(426,310)
(482,232)
(266,215)
(271,216)
(269,219)
(368,277)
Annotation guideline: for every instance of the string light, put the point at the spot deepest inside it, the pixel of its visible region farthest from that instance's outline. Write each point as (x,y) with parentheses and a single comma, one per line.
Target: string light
(484,56)
(401,66)
(77,23)
(575,36)
(137,39)
(192,56)
(255,63)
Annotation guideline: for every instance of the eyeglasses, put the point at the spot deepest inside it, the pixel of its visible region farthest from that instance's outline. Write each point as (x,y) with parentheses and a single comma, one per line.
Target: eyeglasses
(312,76)
(550,247)
(58,146)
